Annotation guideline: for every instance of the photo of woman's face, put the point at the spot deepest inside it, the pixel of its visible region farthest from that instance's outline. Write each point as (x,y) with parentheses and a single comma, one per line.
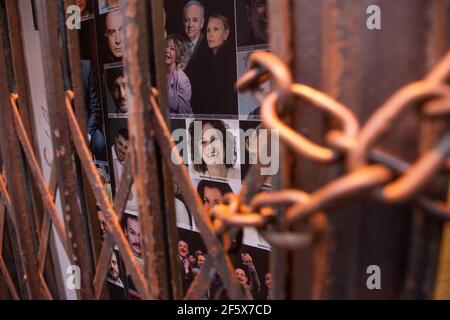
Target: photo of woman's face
(212,197)
(211,145)
(171,54)
(216,33)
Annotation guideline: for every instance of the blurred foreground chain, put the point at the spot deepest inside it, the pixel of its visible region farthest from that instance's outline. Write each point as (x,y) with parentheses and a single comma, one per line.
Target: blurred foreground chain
(387,178)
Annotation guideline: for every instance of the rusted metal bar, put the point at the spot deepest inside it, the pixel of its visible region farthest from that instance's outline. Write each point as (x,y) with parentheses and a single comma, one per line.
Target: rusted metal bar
(6,198)
(160,76)
(145,162)
(44,190)
(3,269)
(281,40)
(22,84)
(111,216)
(15,176)
(73,49)
(120,201)
(46,223)
(67,182)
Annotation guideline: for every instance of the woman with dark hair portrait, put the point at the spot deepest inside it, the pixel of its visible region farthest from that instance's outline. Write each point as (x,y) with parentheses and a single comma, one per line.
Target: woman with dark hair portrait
(216,71)
(178,84)
(212,193)
(213,149)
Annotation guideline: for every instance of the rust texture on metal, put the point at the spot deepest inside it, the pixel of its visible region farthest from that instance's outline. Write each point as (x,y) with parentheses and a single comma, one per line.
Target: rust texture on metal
(144,155)
(159,75)
(111,216)
(74,56)
(63,150)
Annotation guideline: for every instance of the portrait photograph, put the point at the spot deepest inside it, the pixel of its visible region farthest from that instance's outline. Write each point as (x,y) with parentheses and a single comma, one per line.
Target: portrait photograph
(119,144)
(251,271)
(116,96)
(132,230)
(113,40)
(206,68)
(256,148)
(115,275)
(211,193)
(213,147)
(249,107)
(252,24)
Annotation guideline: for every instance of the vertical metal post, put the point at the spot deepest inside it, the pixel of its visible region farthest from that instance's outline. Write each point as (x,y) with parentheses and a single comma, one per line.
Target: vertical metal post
(158,45)
(280,31)
(31,278)
(63,150)
(73,49)
(147,178)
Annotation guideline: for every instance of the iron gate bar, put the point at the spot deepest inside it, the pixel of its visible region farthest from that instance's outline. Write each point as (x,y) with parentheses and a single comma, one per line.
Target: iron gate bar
(6,199)
(3,269)
(21,82)
(111,216)
(74,55)
(281,33)
(126,181)
(31,283)
(63,150)
(47,223)
(44,190)
(158,76)
(145,167)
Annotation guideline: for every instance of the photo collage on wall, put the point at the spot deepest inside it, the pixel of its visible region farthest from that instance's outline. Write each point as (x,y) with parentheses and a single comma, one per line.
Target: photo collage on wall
(208,44)
(216,129)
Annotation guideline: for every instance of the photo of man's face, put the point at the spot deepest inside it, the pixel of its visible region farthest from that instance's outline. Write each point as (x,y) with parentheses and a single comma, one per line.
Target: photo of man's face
(183,248)
(257,15)
(193,21)
(201,260)
(113,271)
(133,234)
(115,34)
(119,93)
(121,147)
